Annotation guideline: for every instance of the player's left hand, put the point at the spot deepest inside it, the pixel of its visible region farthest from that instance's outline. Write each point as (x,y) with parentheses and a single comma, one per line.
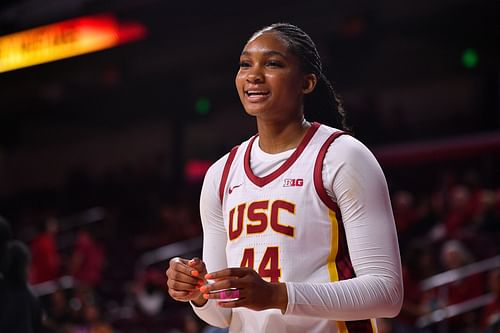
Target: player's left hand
(247,287)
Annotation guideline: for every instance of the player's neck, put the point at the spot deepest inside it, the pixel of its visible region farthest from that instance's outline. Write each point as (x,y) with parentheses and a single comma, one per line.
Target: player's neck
(276,137)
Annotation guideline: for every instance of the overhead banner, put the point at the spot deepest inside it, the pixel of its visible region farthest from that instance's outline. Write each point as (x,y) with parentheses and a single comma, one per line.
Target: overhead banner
(65,39)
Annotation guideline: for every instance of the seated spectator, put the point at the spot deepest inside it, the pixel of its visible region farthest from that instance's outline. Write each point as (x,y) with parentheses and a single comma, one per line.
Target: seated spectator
(490,321)
(5,236)
(455,255)
(417,265)
(404,214)
(149,293)
(94,320)
(45,265)
(460,211)
(58,311)
(23,312)
(488,218)
(87,261)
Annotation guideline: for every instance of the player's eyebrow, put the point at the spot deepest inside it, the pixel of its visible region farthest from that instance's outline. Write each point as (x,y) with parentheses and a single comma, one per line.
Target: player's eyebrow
(266,53)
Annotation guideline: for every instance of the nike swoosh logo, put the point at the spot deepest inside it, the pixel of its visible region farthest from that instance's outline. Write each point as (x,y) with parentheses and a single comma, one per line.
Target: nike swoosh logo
(233,187)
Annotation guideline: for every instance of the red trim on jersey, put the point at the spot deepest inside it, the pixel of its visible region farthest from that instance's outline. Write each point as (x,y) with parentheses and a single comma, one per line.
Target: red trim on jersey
(342,260)
(225,173)
(318,172)
(262,181)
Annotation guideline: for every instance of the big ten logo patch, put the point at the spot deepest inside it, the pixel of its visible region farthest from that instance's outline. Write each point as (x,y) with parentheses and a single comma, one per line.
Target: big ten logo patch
(289,182)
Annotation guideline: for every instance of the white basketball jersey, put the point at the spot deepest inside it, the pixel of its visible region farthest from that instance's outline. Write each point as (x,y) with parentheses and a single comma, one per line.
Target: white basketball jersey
(286,227)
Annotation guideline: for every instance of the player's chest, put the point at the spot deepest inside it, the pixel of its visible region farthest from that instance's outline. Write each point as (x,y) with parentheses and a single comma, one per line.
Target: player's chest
(288,207)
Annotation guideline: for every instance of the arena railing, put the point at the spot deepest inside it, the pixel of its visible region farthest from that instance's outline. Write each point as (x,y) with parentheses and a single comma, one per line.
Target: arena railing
(49,287)
(445,278)
(169,251)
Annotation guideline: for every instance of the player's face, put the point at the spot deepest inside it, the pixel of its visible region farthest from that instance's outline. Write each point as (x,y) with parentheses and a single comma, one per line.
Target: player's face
(270,82)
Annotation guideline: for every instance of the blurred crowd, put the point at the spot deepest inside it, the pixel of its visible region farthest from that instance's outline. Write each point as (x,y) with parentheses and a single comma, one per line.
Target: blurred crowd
(66,268)
(447,229)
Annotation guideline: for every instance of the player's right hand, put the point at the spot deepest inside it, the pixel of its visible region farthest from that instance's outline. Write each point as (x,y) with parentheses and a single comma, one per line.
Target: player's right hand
(184,279)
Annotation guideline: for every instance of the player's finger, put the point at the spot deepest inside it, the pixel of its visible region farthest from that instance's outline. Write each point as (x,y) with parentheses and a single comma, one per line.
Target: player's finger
(181,286)
(226,295)
(220,285)
(197,265)
(179,265)
(177,276)
(183,296)
(232,304)
(227,273)
(179,259)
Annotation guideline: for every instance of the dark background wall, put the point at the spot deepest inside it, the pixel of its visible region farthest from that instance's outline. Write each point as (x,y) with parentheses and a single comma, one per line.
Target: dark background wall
(397,65)
(112,143)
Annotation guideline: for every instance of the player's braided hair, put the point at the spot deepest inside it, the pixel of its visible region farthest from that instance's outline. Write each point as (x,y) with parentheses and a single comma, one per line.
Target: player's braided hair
(323,97)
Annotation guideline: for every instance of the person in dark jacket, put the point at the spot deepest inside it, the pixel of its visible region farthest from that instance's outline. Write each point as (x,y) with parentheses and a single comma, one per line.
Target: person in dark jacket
(20,310)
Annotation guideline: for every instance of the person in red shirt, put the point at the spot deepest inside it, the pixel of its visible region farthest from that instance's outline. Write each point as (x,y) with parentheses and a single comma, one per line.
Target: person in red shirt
(87,261)
(45,264)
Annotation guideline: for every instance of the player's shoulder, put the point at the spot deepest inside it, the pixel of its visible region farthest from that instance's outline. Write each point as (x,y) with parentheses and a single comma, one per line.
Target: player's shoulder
(346,146)
(343,138)
(217,168)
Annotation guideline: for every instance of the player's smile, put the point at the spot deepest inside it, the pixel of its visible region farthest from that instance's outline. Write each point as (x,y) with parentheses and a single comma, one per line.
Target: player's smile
(256,95)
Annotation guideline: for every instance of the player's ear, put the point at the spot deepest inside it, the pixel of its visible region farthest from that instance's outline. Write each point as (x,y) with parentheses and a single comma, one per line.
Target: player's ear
(310,81)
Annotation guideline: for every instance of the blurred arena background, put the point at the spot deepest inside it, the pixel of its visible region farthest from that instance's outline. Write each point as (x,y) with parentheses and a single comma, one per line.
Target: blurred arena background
(102,154)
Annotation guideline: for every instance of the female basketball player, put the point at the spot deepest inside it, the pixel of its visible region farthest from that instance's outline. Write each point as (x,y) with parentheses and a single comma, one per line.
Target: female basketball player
(298,229)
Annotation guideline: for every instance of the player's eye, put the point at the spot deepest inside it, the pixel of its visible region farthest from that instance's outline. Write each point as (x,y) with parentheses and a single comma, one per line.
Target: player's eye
(275,63)
(244,64)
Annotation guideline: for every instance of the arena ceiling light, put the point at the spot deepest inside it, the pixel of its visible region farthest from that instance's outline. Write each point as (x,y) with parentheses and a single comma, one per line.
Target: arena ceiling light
(65,39)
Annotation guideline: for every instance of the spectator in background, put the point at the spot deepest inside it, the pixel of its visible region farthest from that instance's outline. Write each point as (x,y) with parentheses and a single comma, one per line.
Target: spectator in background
(87,261)
(23,313)
(490,321)
(426,218)
(94,322)
(176,222)
(46,262)
(455,255)
(59,311)
(459,215)
(149,293)
(417,265)
(488,217)
(5,236)
(404,214)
